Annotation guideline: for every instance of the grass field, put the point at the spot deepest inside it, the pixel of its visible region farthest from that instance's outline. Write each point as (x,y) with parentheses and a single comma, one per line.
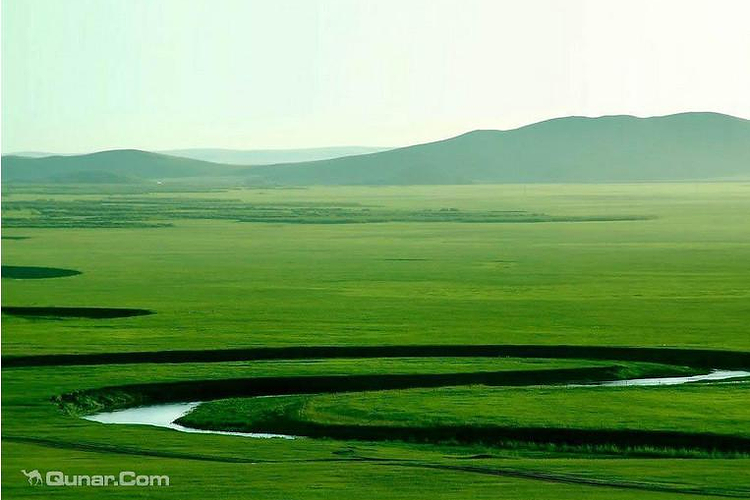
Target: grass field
(643,265)
(633,409)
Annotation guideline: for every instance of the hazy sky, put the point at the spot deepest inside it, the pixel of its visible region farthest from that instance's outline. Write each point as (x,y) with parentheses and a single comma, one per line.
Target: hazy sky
(84,75)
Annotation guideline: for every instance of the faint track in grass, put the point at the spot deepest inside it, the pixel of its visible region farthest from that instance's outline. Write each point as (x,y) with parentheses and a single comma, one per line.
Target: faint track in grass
(383,461)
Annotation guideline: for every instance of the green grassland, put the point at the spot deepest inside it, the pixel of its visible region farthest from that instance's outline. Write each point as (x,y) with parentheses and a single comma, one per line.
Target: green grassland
(38,433)
(723,409)
(678,280)
(641,265)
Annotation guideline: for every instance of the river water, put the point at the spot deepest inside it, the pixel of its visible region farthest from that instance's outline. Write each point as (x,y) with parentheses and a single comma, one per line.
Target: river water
(164,415)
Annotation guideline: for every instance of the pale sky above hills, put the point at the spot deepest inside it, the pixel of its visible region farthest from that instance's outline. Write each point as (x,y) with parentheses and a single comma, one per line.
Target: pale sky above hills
(87,75)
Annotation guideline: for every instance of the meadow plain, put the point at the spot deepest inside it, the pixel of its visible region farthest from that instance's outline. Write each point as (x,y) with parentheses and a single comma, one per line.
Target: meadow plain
(660,265)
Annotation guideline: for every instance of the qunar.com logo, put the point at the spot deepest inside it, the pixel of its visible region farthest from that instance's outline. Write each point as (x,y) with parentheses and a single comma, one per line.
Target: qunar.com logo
(124,478)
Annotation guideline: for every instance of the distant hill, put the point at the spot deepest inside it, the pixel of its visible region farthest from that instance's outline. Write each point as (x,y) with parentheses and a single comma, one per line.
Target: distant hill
(687,146)
(116,165)
(270,156)
(574,149)
(131,165)
(32,154)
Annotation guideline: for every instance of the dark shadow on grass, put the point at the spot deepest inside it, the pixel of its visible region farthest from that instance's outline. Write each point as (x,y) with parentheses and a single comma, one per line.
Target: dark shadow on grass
(35,273)
(74,312)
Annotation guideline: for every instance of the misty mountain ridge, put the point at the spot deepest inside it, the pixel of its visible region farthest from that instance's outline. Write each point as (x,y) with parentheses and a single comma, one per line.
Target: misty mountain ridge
(573,149)
(686,146)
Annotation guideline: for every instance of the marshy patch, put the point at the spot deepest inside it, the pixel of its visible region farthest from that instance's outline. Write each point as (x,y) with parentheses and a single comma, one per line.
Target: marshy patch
(36,273)
(75,312)
(152,212)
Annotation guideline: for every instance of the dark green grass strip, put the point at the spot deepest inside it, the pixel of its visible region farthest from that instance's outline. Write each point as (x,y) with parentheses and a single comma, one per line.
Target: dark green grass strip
(488,435)
(74,312)
(125,396)
(35,273)
(381,461)
(699,358)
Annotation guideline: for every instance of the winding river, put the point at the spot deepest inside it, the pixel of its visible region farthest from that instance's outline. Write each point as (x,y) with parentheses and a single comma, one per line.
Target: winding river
(165,415)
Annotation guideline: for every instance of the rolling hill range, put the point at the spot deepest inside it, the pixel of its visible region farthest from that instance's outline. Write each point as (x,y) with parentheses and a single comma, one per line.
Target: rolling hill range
(687,146)
(116,166)
(132,165)
(575,149)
